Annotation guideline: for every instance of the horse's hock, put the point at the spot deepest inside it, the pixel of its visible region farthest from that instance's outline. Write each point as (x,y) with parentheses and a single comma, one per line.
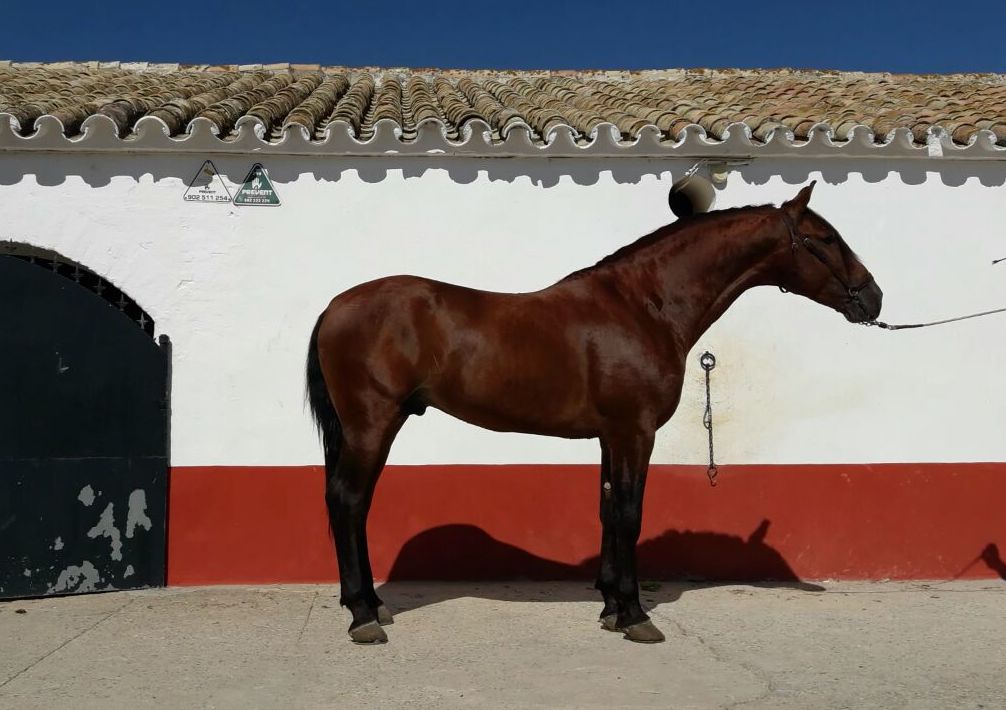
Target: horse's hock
(842,451)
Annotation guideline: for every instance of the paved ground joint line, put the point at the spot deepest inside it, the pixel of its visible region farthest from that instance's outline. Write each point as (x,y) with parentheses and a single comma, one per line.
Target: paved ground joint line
(70,640)
(758,673)
(308,617)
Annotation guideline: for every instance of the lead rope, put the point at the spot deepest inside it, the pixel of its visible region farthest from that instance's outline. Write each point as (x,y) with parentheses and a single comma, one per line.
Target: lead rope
(888,326)
(708,362)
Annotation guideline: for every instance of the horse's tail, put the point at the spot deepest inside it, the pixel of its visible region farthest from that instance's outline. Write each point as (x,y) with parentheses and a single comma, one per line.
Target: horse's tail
(322,409)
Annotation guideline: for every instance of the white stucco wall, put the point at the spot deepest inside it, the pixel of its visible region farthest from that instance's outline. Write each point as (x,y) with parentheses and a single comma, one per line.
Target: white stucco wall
(238,289)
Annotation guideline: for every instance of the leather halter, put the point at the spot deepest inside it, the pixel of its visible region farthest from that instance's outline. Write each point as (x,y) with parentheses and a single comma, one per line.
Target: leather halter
(854,291)
(808,244)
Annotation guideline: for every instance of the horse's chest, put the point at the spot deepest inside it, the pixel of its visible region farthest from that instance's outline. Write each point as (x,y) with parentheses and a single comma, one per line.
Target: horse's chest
(652,383)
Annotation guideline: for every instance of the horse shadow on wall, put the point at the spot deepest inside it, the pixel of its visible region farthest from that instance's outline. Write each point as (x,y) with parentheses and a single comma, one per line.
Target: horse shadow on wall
(467,554)
(990,556)
(54,169)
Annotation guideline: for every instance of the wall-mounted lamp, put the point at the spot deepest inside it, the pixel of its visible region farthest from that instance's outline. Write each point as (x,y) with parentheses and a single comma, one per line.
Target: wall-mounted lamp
(718,173)
(695,191)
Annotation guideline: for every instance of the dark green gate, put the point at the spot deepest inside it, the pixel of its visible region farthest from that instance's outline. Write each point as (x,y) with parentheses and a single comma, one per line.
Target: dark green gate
(83,432)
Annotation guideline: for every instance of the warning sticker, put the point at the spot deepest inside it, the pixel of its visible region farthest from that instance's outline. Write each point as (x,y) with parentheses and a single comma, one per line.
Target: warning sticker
(207,186)
(257,189)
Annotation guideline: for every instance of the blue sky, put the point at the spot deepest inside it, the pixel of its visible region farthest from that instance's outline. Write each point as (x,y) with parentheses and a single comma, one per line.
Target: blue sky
(892,36)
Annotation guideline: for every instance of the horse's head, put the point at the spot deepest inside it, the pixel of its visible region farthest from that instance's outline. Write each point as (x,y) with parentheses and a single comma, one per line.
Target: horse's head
(822,267)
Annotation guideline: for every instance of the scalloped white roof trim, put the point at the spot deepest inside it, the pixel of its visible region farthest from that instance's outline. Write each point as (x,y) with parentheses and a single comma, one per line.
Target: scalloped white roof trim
(150,135)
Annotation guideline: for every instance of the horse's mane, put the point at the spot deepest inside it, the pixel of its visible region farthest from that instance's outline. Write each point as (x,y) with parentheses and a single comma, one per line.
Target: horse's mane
(666,232)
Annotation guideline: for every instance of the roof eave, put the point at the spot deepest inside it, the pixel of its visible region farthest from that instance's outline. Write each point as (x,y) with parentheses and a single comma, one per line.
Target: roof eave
(99,135)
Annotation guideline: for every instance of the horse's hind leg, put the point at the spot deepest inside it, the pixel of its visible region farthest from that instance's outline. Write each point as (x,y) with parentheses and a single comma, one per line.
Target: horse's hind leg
(382,612)
(348,494)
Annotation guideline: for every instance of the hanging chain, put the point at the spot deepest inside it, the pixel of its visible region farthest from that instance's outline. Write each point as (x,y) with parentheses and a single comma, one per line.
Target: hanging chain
(708,362)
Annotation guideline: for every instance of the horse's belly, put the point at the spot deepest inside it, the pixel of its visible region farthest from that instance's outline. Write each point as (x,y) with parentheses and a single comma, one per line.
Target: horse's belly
(502,421)
(524,407)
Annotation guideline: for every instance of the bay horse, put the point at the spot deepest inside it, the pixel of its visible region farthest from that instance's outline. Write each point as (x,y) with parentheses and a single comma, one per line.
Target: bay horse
(598,355)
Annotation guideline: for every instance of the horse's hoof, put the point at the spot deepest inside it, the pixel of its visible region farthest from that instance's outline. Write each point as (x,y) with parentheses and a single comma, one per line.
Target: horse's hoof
(369,633)
(384,616)
(643,632)
(610,622)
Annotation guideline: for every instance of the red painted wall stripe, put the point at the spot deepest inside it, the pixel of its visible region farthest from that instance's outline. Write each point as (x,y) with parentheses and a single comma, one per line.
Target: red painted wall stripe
(232,525)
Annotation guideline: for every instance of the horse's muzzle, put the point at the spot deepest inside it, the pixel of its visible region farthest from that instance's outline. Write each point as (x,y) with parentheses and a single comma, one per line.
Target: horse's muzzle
(865,304)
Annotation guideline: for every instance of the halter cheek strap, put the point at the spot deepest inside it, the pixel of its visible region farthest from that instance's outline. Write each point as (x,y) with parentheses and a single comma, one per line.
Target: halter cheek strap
(808,244)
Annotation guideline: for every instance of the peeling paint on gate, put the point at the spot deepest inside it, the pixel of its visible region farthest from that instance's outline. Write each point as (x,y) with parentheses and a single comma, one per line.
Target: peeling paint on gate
(82,578)
(86,495)
(136,515)
(105,527)
(120,521)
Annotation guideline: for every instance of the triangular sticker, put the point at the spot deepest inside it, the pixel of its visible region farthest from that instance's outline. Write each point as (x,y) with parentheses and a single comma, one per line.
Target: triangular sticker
(257,189)
(207,186)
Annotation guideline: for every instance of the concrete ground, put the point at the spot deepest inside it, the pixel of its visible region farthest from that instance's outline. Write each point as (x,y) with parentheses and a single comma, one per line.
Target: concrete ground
(496,645)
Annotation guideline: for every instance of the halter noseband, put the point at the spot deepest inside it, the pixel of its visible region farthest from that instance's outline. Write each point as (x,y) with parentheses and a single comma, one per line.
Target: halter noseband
(809,245)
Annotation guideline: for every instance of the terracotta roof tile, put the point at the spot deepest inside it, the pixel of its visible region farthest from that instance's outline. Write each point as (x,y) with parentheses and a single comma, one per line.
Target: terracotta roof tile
(312,97)
(319,104)
(354,102)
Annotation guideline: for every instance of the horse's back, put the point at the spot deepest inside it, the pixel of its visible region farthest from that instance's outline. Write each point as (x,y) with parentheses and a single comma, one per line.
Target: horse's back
(400,328)
(404,298)
(462,350)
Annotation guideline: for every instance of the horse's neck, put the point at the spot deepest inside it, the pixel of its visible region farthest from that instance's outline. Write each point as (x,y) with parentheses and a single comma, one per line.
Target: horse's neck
(688,281)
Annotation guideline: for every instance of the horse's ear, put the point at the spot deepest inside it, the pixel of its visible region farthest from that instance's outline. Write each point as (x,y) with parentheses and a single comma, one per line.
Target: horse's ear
(798,205)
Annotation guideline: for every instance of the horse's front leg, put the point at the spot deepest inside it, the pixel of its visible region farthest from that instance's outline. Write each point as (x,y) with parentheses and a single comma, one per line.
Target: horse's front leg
(630,458)
(607,573)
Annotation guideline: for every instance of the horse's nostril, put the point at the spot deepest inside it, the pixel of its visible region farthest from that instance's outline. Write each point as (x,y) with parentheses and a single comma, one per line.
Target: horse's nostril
(878,300)
(873,307)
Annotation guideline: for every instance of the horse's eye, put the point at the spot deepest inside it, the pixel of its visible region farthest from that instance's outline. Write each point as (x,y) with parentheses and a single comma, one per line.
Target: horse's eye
(830,239)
